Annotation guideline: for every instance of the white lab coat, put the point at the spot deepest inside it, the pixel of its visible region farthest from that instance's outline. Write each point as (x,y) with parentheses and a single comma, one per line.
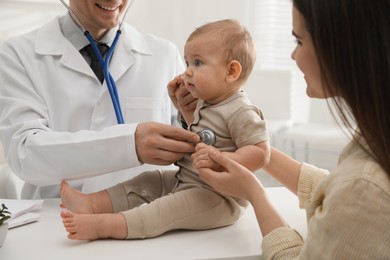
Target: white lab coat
(56,120)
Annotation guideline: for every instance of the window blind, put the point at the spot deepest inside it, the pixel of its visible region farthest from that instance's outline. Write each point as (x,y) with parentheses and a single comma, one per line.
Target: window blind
(274,44)
(272,34)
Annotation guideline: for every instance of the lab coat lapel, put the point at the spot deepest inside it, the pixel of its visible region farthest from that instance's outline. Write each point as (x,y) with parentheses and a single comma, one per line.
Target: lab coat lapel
(122,59)
(51,41)
(130,43)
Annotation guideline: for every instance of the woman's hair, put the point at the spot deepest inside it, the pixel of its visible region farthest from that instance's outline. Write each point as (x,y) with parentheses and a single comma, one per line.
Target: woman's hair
(235,40)
(352,43)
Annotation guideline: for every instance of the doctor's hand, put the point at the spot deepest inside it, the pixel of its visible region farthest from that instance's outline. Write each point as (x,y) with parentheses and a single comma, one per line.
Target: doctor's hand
(182,99)
(235,181)
(162,144)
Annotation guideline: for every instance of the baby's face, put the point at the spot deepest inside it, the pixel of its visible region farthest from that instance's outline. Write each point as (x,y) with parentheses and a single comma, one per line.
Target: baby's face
(205,76)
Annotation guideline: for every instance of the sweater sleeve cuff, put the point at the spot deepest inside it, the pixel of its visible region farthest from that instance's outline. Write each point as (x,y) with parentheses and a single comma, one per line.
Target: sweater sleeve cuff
(309,178)
(282,242)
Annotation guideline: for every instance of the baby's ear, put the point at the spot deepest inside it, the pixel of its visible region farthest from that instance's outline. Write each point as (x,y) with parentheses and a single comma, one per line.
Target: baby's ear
(234,71)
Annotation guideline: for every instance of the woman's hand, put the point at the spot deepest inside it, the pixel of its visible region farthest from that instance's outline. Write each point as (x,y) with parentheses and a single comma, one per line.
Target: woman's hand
(235,180)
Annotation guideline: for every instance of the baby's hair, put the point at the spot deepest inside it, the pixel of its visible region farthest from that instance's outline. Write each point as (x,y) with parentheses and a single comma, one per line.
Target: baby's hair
(235,39)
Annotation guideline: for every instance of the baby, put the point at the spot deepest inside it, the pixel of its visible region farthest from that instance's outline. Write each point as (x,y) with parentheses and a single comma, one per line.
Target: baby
(219,57)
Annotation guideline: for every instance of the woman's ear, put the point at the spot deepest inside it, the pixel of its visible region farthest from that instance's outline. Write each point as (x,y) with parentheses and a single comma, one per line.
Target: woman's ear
(234,71)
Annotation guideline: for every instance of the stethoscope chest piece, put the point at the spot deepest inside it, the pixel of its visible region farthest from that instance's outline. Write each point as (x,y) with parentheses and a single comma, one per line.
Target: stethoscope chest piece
(207,136)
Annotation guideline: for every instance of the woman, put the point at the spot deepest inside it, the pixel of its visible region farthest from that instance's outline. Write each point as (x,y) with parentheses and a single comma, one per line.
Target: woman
(343,49)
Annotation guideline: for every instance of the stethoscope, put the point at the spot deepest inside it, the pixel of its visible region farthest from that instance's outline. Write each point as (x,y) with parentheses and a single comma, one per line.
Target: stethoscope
(104,63)
(207,136)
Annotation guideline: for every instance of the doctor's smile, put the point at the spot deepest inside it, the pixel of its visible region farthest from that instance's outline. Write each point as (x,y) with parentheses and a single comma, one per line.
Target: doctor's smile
(107,8)
(112,7)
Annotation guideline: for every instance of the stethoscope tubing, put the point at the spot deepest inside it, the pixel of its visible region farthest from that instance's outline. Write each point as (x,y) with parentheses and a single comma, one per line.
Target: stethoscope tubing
(111,86)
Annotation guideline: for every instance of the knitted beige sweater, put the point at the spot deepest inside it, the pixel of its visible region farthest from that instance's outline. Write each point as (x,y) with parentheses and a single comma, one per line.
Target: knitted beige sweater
(348,212)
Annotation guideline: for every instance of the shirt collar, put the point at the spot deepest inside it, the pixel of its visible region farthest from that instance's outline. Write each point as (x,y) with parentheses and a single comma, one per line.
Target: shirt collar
(50,38)
(75,34)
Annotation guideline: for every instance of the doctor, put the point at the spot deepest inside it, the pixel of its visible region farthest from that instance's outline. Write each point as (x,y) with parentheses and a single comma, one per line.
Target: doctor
(57,121)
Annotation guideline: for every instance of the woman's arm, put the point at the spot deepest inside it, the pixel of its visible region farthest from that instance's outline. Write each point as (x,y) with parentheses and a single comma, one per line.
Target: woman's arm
(284,169)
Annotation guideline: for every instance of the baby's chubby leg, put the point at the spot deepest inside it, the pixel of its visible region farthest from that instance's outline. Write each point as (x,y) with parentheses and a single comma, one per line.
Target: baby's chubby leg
(78,202)
(94,226)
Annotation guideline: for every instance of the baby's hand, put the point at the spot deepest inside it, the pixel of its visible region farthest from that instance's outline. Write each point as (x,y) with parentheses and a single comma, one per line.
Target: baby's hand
(173,90)
(182,99)
(201,158)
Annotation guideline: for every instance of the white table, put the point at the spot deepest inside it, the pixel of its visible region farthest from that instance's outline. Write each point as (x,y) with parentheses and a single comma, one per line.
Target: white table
(46,239)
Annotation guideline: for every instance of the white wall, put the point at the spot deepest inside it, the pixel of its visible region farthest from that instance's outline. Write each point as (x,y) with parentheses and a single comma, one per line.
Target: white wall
(176,19)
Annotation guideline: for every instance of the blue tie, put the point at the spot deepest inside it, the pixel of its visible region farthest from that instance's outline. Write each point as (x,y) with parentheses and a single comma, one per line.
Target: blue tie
(95,64)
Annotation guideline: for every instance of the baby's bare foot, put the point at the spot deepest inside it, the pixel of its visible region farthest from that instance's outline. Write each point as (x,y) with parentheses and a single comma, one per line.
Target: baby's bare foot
(74,200)
(94,226)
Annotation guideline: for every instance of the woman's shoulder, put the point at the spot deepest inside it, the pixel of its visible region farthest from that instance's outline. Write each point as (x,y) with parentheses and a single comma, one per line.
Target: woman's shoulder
(357,170)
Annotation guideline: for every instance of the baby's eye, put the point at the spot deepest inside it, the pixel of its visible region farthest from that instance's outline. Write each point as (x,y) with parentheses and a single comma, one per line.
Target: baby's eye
(187,64)
(198,62)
